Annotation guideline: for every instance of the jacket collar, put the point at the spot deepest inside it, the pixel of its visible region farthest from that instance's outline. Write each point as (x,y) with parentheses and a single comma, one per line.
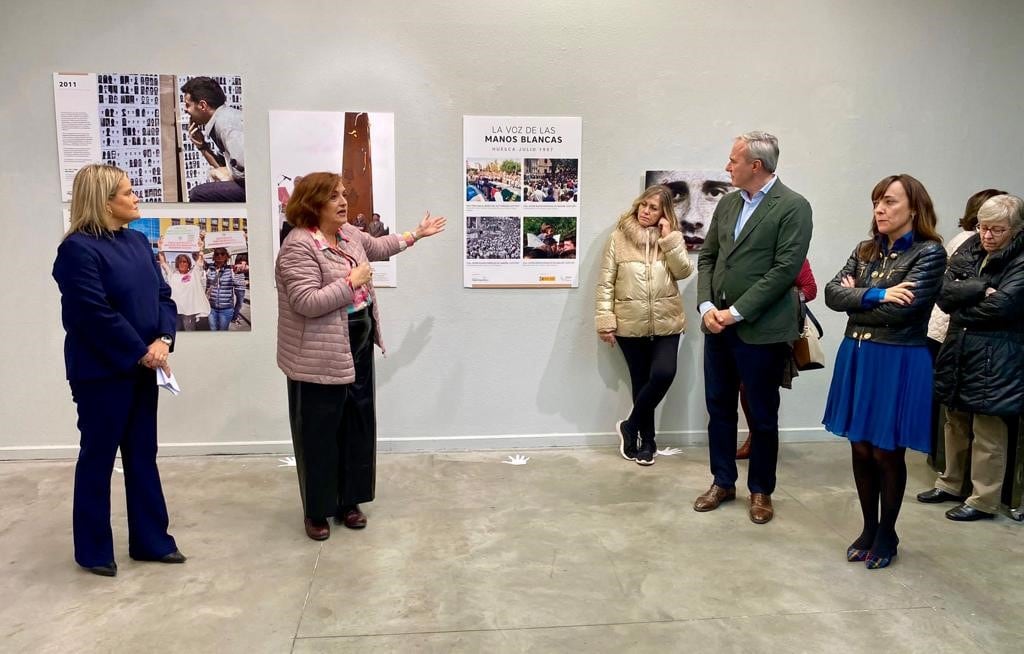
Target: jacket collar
(771,198)
(637,234)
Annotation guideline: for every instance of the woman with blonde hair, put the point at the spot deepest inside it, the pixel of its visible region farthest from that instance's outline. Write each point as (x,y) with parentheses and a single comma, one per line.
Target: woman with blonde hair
(639,307)
(119,319)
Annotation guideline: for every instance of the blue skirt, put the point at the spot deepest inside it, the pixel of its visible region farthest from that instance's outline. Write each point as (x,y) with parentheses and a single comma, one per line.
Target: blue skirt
(881,394)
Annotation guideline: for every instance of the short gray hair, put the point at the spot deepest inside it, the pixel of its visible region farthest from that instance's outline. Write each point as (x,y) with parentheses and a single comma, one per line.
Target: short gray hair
(1003,207)
(763,147)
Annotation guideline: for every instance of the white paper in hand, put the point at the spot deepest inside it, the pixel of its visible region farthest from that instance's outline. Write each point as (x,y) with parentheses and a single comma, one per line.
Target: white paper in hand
(163,380)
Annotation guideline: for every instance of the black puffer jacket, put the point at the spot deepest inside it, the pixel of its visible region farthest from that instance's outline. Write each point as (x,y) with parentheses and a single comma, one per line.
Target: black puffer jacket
(980,367)
(922,263)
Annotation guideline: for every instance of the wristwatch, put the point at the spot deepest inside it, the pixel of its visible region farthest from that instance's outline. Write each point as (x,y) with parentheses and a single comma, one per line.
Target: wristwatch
(167,339)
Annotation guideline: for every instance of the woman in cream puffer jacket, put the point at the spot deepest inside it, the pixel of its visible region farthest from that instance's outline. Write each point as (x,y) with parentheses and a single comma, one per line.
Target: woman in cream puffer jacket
(639,307)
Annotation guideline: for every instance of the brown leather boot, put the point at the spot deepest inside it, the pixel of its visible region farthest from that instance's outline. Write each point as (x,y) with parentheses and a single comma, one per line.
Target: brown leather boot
(317,529)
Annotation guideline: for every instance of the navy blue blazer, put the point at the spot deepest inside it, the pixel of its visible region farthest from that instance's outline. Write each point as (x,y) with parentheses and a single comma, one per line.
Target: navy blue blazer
(114,302)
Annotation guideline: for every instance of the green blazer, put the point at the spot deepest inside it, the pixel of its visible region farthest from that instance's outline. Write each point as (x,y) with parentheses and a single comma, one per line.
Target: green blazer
(756,271)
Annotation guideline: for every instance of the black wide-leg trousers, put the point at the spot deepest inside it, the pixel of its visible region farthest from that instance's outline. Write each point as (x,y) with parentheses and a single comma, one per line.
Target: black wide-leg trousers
(334,431)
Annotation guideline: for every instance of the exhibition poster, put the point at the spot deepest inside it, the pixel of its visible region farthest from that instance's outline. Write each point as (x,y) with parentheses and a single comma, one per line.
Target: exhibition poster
(174,147)
(359,146)
(521,194)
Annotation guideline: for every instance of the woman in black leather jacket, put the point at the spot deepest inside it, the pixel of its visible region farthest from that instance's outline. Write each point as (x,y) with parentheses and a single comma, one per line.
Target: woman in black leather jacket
(880,397)
(979,372)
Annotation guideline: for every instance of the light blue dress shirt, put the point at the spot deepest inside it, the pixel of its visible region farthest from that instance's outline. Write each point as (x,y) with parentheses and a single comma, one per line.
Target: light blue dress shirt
(750,205)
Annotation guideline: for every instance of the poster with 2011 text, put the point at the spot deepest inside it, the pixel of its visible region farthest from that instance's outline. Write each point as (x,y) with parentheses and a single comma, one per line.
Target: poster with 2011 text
(521,211)
(179,138)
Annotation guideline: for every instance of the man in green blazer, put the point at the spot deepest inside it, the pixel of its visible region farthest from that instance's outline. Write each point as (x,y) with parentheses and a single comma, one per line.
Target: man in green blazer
(756,243)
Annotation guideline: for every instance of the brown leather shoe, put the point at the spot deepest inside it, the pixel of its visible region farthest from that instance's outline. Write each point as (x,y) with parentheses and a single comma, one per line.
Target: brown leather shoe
(761,510)
(318,529)
(743,451)
(353,518)
(715,495)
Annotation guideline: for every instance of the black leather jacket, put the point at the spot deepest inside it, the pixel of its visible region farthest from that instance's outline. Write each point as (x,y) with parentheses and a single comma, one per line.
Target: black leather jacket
(923,263)
(980,367)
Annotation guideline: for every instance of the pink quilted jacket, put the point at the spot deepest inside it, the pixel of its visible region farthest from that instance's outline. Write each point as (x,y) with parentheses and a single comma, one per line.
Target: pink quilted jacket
(312,326)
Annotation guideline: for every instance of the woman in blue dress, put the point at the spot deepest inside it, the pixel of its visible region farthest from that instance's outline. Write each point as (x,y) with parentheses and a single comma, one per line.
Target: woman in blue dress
(880,397)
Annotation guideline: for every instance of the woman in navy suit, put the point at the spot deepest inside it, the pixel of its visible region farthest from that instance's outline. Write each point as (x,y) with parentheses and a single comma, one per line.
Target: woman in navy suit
(120,320)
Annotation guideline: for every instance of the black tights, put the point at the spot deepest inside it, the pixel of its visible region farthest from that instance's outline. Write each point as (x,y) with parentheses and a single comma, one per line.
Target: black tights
(652,367)
(881,477)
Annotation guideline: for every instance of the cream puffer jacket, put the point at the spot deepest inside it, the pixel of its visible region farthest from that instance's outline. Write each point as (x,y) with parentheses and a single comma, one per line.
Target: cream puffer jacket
(938,324)
(637,293)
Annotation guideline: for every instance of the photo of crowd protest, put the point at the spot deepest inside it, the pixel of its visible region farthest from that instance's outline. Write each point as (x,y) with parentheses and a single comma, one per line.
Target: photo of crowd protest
(552,180)
(492,237)
(205,261)
(549,238)
(491,180)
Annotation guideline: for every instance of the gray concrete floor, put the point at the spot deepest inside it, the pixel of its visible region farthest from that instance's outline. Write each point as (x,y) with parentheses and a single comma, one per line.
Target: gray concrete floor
(575,551)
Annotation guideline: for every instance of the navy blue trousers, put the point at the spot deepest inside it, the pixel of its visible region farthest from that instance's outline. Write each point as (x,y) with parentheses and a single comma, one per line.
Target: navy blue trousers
(118,412)
(728,361)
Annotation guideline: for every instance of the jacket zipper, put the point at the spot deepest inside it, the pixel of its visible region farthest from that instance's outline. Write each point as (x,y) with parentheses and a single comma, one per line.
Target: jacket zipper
(650,296)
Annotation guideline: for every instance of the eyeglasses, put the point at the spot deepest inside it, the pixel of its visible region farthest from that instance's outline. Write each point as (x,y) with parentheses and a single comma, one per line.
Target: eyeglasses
(994,231)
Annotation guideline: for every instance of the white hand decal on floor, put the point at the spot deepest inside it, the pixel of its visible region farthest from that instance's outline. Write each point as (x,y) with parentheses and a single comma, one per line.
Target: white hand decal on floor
(517,460)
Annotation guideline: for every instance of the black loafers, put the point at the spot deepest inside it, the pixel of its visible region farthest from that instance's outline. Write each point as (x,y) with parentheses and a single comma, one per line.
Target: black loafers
(936,496)
(964,513)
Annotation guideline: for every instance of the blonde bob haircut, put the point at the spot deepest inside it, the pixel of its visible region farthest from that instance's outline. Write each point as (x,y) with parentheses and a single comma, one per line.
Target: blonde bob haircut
(94,186)
(664,194)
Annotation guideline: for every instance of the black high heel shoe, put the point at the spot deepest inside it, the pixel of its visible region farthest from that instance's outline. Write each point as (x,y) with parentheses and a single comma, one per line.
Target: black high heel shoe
(108,570)
(174,557)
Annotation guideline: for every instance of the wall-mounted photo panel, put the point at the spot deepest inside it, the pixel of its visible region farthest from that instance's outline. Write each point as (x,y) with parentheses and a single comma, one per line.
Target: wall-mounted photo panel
(695,194)
(180,138)
(359,146)
(204,258)
(521,179)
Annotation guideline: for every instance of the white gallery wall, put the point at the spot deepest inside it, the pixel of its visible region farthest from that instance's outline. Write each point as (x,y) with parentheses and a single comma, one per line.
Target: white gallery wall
(854,90)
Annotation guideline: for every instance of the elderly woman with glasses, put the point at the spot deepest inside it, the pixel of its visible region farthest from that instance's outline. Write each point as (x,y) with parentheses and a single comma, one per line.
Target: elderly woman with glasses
(979,372)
